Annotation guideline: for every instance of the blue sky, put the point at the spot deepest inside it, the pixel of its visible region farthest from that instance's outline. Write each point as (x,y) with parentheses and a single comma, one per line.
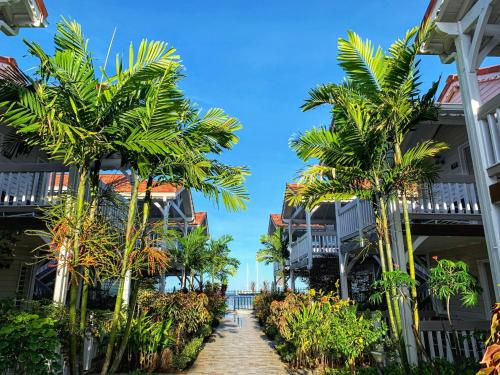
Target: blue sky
(255,59)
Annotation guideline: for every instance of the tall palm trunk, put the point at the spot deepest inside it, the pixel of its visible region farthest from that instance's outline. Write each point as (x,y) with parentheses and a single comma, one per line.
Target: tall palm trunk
(128,327)
(389,259)
(381,252)
(285,282)
(135,289)
(94,191)
(409,247)
(73,299)
(191,280)
(390,268)
(183,278)
(129,246)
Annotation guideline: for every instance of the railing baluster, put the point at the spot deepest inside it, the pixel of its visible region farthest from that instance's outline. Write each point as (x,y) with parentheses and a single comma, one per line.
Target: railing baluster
(475,351)
(494,136)
(431,344)
(449,353)
(465,344)
(440,344)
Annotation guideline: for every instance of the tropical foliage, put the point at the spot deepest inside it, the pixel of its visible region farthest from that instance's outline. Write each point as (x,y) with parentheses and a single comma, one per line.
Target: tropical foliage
(320,330)
(28,344)
(219,263)
(79,114)
(275,251)
(448,279)
(491,357)
(360,154)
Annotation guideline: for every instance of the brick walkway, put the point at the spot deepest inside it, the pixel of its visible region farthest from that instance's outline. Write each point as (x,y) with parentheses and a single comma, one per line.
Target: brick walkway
(238,346)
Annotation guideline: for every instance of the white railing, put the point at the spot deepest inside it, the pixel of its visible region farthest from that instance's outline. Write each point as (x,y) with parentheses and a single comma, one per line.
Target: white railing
(444,198)
(300,249)
(353,217)
(324,243)
(489,117)
(440,341)
(450,199)
(21,190)
(321,244)
(31,188)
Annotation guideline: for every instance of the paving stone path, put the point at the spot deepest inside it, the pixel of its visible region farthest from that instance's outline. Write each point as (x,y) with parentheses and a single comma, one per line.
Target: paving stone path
(238,346)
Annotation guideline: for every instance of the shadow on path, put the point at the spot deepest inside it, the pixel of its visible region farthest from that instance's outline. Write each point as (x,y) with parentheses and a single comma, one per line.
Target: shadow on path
(238,347)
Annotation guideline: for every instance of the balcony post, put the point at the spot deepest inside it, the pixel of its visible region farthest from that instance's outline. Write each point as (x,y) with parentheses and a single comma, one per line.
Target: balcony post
(344,287)
(309,239)
(360,221)
(467,62)
(62,275)
(62,271)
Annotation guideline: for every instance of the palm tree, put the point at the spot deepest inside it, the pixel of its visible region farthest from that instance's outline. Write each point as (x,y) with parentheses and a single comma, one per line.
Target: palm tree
(384,91)
(391,83)
(275,251)
(218,262)
(140,113)
(188,252)
(227,268)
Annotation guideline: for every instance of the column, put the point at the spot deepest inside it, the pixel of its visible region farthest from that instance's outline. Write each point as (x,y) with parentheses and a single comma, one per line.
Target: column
(62,275)
(344,286)
(165,212)
(471,99)
(309,239)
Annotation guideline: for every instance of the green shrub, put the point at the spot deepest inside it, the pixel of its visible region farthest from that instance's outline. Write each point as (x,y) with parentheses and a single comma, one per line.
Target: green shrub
(206,330)
(438,366)
(188,353)
(188,311)
(323,331)
(217,306)
(262,304)
(28,344)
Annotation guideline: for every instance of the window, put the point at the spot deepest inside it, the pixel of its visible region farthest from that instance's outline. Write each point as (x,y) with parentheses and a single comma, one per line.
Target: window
(466,160)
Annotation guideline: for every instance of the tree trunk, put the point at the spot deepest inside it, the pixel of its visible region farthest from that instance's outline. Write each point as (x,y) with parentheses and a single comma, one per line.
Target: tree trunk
(128,328)
(409,248)
(74,334)
(129,246)
(133,300)
(191,280)
(390,268)
(183,278)
(94,191)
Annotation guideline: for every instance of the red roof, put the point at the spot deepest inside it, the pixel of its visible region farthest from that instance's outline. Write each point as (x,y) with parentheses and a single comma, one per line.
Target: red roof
(200,218)
(43,10)
(121,184)
(9,70)
(489,86)
(277,221)
(4,60)
(429,9)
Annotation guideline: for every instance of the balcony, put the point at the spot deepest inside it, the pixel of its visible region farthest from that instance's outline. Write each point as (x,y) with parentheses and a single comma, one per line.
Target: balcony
(23,191)
(444,201)
(26,187)
(304,249)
